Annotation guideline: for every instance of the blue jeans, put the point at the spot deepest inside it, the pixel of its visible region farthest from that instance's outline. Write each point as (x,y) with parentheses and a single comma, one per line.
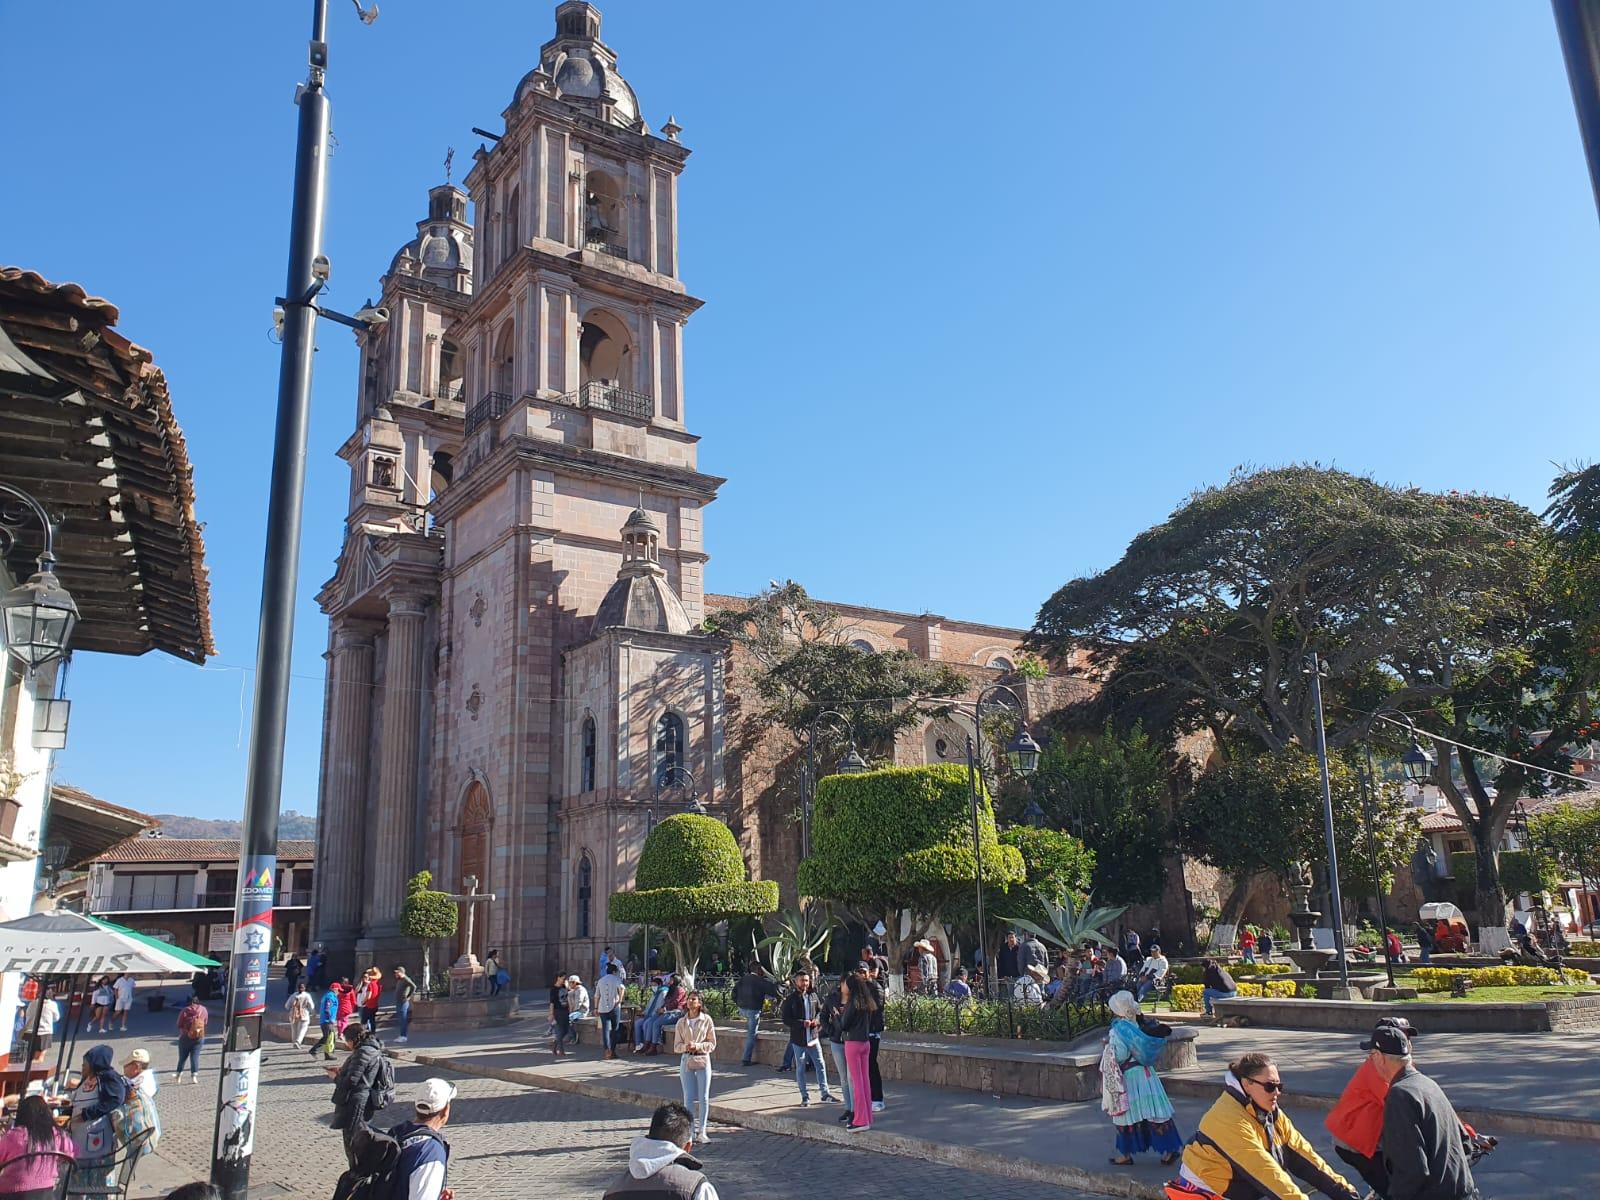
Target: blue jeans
(655,1027)
(189,1051)
(608,1029)
(813,1055)
(402,1016)
(696,1093)
(1143,989)
(844,1074)
(1210,994)
(752,1019)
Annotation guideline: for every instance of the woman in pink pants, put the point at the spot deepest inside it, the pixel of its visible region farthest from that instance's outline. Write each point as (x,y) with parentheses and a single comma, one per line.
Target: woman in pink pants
(859,1001)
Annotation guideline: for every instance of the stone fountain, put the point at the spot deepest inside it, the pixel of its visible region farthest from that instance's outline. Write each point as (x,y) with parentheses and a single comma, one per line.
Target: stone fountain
(1311,959)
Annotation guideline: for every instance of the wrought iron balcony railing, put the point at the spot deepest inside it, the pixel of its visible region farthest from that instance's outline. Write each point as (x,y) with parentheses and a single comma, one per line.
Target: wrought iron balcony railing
(491,407)
(609,397)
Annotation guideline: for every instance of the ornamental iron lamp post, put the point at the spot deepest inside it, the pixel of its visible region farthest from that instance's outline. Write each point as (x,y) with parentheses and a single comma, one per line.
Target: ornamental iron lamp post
(1315,668)
(1022,752)
(851,764)
(1033,815)
(1369,785)
(39,615)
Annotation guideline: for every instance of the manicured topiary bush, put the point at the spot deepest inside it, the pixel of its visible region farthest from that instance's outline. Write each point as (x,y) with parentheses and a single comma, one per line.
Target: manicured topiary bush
(691,877)
(428,916)
(898,842)
(1441,979)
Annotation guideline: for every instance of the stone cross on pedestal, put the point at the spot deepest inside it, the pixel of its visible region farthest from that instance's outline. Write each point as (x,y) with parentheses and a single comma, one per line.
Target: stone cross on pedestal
(471,899)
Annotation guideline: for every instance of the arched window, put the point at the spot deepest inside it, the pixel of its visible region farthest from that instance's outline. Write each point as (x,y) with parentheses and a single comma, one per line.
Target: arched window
(603,215)
(864,646)
(1001,663)
(586,783)
(669,745)
(585,892)
(605,350)
(505,353)
(452,365)
(512,224)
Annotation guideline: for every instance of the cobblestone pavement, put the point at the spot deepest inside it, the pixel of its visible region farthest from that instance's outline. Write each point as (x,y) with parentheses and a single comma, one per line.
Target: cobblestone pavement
(510,1140)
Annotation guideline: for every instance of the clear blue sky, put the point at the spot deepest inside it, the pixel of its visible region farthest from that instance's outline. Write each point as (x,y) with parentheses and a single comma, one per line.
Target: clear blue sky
(987,292)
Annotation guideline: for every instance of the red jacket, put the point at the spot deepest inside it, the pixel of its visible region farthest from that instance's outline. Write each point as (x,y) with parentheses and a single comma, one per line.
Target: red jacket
(374,991)
(1357,1120)
(347,1002)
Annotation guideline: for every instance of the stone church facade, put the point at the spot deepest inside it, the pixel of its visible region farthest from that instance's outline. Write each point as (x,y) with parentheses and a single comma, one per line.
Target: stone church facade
(517,677)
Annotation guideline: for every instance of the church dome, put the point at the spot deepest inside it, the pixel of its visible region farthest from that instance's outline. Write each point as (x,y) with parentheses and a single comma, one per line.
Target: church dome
(641,598)
(583,69)
(643,601)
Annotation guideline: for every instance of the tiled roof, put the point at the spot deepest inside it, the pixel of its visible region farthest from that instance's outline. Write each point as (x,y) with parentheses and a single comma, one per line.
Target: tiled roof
(87,428)
(1443,821)
(174,850)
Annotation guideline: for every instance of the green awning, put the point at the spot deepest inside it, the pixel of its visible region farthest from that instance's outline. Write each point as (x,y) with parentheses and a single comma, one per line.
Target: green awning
(187,957)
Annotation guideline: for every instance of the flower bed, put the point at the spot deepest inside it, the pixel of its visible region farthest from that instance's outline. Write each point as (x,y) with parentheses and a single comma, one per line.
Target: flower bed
(1584,949)
(1195,972)
(1442,979)
(1186,996)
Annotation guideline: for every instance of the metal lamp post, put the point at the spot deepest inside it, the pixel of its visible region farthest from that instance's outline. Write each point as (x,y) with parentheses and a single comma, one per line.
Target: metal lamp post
(308,271)
(851,764)
(1023,754)
(1315,668)
(36,617)
(1369,783)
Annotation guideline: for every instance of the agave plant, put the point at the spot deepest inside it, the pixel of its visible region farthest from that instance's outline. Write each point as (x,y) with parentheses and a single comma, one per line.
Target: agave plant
(1072,924)
(804,932)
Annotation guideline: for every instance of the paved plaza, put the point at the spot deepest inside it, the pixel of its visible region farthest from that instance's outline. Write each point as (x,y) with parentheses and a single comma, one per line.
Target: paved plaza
(506,1139)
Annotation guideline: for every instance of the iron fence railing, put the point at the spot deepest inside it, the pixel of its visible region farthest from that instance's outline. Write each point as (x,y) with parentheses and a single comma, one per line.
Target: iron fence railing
(491,407)
(611,248)
(609,397)
(1000,1016)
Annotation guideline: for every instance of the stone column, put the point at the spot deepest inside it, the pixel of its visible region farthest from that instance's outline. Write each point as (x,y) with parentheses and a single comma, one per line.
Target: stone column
(391,837)
(340,870)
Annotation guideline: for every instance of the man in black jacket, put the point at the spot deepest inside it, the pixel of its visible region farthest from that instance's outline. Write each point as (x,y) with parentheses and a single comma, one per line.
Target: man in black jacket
(752,991)
(802,1013)
(1422,1140)
(358,1091)
(1011,963)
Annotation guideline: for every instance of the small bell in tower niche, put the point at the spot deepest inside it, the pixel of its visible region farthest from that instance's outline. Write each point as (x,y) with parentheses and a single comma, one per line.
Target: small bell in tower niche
(595,227)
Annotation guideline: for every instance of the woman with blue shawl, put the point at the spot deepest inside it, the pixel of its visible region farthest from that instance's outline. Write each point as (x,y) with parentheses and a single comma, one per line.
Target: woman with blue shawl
(1139,1107)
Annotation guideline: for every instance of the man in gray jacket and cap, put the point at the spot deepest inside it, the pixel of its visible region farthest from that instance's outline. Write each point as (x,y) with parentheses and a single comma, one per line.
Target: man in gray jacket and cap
(1422,1143)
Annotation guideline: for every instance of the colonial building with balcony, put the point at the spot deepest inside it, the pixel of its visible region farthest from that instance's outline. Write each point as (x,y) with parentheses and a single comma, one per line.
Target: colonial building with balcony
(183,890)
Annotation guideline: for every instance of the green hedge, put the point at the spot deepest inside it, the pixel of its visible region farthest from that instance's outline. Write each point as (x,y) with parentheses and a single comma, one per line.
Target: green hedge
(1464,875)
(688,905)
(1186,996)
(901,838)
(425,914)
(1195,972)
(1442,979)
(1523,871)
(689,850)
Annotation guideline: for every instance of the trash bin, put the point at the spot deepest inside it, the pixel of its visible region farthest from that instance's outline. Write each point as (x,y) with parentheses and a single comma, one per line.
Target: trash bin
(156,1003)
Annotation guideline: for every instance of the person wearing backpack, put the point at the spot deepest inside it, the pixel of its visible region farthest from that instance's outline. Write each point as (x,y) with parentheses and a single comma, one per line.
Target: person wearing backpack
(362,1084)
(191,1032)
(424,1158)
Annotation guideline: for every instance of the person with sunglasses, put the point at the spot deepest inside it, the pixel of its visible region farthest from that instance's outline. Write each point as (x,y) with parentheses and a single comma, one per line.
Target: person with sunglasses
(1247,1148)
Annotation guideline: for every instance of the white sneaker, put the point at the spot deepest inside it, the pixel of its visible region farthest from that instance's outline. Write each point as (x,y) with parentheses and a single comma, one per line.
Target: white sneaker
(877,1106)
(194,1079)
(400,1041)
(702,1139)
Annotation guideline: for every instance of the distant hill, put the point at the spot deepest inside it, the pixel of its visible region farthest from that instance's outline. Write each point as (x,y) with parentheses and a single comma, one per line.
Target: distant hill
(291,824)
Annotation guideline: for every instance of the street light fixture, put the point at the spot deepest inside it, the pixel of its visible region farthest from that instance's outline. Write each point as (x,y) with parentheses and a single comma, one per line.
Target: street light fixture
(679,776)
(1033,815)
(1417,761)
(851,764)
(1023,755)
(1314,667)
(39,615)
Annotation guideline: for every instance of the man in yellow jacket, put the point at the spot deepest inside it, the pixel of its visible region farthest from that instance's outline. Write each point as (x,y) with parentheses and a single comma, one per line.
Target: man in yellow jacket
(1247,1149)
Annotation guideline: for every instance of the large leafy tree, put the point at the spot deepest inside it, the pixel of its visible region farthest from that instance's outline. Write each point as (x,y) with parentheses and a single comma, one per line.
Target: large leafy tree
(798,655)
(1223,602)
(1435,604)
(1110,790)
(1569,833)
(1262,814)
(1518,680)
(896,845)
(691,878)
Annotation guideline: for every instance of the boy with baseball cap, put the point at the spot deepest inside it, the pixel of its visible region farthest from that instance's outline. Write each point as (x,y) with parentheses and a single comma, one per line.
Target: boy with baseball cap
(424,1154)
